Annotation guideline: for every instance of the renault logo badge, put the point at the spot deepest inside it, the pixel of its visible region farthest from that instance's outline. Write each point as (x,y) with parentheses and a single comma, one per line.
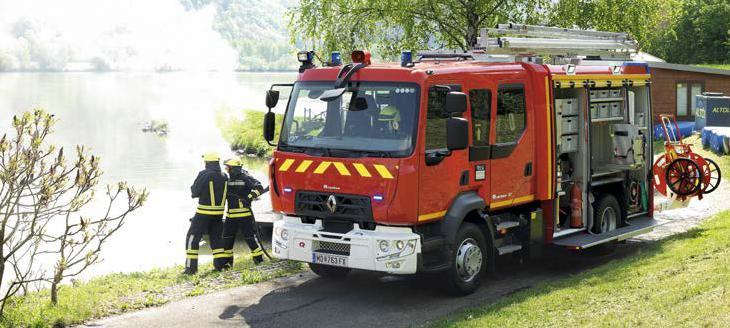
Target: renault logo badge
(332,203)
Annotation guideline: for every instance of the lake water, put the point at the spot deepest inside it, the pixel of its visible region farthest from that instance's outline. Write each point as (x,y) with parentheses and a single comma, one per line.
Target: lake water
(106,112)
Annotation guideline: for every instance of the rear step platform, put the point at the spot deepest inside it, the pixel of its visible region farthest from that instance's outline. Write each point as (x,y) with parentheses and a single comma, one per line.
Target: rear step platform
(635,227)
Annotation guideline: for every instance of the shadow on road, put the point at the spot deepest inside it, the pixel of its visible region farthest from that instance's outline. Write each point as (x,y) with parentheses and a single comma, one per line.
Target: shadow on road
(366,299)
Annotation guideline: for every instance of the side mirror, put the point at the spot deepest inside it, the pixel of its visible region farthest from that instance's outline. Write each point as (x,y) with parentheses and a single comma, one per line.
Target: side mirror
(455,102)
(272,98)
(457,133)
(269,126)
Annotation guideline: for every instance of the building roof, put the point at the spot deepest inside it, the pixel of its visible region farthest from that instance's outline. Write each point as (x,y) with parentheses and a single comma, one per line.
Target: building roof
(689,68)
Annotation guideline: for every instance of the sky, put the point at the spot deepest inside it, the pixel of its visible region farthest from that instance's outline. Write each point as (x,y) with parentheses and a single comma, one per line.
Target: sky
(155,32)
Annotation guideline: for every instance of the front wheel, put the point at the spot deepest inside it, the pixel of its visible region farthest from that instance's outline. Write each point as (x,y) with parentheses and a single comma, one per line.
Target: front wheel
(469,260)
(331,272)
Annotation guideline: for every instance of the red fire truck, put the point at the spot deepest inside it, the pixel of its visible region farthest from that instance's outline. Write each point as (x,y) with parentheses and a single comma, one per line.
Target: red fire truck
(445,162)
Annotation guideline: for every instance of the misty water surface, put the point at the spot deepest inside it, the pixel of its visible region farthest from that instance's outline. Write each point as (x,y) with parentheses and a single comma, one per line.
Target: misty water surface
(106,112)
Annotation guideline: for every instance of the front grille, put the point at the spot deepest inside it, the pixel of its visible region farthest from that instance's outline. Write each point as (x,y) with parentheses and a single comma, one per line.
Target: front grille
(330,247)
(351,208)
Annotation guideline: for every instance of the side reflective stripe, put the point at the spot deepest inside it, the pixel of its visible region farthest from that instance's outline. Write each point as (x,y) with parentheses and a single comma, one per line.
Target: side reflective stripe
(342,168)
(192,251)
(239,210)
(210,212)
(225,192)
(431,216)
(362,170)
(212,193)
(549,139)
(192,257)
(322,167)
(217,256)
(383,171)
(240,215)
(303,166)
(208,207)
(286,165)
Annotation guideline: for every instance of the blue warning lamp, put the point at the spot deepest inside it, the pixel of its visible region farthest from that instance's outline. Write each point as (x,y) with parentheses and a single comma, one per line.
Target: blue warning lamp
(406,58)
(335,58)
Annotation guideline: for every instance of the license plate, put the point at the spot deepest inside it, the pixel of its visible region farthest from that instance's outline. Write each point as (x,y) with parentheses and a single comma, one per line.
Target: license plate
(329,259)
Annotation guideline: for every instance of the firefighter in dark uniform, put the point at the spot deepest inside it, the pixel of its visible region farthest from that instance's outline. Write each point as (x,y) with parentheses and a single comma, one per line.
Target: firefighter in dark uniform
(243,189)
(210,189)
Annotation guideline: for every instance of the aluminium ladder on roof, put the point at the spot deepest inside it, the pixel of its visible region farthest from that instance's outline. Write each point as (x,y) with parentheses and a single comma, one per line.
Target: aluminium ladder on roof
(532,40)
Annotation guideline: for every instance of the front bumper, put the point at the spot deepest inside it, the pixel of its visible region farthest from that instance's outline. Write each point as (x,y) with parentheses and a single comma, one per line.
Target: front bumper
(362,248)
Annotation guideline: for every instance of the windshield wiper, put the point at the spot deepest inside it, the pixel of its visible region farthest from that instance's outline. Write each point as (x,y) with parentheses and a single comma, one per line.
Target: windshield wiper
(294,149)
(378,153)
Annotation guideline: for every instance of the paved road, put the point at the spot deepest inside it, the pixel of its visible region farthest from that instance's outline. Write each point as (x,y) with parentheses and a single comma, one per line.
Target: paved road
(361,300)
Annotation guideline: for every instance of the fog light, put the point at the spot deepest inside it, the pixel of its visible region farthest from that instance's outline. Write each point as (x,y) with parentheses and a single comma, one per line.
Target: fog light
(399,245)
(384,246)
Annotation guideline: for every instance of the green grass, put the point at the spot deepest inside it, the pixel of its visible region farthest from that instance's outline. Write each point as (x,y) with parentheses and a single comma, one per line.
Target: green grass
(117,293)
(243,129)
(683,280)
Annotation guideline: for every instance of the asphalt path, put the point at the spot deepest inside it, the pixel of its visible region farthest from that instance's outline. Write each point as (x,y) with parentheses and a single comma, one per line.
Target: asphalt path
(363,299)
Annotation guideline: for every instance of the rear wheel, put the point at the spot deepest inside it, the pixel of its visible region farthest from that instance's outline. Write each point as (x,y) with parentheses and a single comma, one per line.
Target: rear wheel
(331,272)
(469,260)
(607,217)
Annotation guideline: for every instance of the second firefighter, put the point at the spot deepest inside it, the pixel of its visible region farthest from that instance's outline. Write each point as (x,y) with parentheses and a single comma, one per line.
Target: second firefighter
(242,190)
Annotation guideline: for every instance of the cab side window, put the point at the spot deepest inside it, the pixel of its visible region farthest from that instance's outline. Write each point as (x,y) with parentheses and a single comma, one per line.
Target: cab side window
(436,117)
(481,108)
(511,113)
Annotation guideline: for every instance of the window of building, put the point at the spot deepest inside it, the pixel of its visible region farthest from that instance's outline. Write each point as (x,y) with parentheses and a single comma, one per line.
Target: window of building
(686,92)
(481,107)
(511,113)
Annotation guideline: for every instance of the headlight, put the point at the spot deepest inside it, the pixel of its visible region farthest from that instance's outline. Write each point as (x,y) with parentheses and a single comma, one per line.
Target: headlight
(384,246)
(399,245)
(282,233)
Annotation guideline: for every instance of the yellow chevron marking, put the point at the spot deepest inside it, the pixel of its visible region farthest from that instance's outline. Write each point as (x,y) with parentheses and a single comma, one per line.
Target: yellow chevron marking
(304,166)
(383,171)
(362,170)
(287,164)
(342,168)
(322,167)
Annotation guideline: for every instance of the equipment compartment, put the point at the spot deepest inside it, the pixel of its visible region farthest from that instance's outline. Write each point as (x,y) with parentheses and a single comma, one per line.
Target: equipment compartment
(569,125)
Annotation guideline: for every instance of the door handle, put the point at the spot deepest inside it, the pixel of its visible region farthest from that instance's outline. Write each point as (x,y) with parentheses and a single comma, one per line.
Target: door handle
(528,169)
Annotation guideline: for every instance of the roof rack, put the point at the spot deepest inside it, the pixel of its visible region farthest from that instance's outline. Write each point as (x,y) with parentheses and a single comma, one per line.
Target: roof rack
(532,40)
(443,55)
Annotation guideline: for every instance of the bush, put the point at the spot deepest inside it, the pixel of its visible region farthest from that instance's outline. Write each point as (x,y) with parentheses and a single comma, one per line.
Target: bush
(244,131)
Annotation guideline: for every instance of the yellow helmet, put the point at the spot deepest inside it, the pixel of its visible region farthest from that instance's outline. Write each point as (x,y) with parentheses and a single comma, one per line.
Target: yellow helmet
(233,162)
(389,113)
(211,157)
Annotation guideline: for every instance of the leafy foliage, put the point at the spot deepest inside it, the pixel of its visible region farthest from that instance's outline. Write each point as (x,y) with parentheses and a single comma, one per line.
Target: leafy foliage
(243,130)
(389,26)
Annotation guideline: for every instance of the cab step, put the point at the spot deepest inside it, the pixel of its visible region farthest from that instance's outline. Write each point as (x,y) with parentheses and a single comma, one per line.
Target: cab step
(507,224)
(507,249)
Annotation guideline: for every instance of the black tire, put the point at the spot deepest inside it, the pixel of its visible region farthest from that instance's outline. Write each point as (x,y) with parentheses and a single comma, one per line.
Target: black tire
(715,176)
(683,177)
(603,222)
(468,236)
(330,272)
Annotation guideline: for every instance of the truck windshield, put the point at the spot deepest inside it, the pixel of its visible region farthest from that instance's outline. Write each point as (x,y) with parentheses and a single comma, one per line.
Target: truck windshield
(370,119)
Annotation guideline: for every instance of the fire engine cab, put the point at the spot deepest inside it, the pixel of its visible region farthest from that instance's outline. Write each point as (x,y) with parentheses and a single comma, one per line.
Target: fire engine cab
(445,161)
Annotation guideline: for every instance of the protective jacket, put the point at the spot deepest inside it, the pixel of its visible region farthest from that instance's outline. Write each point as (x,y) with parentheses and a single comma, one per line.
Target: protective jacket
(211,190)
(243,190)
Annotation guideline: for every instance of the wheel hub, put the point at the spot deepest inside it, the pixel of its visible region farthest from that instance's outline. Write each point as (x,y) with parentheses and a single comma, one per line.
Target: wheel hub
(468,260)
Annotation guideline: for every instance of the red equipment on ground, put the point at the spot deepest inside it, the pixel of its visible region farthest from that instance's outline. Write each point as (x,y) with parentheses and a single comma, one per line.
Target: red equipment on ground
(680,171)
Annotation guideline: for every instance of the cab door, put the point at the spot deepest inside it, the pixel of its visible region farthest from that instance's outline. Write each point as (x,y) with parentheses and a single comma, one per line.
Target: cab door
(442,174)
(481,97)
(512,150)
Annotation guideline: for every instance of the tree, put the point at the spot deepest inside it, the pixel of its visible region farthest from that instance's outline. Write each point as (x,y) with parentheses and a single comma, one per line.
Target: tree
(389,26)
(41,198)
(645,20)
(701,33)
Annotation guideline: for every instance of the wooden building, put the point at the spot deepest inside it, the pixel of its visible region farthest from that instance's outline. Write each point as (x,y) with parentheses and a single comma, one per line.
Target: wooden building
(674,87)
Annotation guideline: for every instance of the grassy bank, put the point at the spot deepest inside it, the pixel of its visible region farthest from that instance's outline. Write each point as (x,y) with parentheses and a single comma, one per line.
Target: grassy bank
(117,293)
(243,129)
(683,280)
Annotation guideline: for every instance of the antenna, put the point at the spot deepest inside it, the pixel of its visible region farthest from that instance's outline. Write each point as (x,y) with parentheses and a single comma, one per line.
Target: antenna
(531,40)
